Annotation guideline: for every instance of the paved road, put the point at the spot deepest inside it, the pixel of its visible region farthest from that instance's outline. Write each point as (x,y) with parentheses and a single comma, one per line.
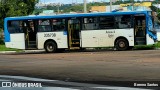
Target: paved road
(140,65)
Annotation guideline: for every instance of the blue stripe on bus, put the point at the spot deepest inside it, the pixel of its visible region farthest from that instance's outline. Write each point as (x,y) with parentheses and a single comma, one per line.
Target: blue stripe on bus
(74,15)
(6,33)
(149,27)
(65,33)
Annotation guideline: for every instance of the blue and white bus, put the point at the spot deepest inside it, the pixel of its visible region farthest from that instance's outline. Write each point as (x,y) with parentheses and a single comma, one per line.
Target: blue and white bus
(121,30)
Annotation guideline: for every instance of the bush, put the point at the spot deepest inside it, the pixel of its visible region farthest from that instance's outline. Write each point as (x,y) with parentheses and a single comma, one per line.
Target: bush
(1,41)
(144,47)
(1,36)
(157,44)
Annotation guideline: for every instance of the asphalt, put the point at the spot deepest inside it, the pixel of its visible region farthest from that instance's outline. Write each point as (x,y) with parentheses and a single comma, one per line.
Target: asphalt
(60,83)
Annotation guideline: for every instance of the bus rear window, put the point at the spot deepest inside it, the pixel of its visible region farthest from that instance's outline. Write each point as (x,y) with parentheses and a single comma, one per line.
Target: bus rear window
(15,26)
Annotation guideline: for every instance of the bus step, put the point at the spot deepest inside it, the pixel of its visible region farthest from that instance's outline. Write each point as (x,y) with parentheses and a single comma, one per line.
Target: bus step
(32,42)
(140,43)
(32,46)
(75,42)
(140,38)
(75,45)
(31,49)
(72,48)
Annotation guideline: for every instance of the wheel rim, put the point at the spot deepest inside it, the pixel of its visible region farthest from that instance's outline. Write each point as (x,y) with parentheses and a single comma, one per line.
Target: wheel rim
(122,44)
(50,47)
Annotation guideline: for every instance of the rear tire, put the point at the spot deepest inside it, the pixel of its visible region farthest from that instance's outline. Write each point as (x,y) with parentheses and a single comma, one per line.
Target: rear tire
(50,47)
(122,44)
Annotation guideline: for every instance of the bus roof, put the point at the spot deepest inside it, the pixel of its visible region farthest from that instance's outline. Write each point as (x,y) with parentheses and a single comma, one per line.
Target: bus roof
(74,15)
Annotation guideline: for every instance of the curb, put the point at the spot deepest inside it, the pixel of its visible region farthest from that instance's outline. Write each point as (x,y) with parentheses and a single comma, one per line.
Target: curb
(22,52)
(7,52)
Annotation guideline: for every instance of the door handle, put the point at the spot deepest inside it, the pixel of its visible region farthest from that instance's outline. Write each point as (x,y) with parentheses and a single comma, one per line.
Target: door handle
(94,37)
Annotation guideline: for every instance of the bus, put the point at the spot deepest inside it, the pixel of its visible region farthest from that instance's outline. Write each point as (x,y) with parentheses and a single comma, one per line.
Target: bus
(121,30)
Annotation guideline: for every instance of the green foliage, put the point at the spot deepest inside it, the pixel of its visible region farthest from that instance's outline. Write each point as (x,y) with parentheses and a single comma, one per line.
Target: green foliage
(1,37)
(153,8)
(1,41)
(144,47)
(10,8)
(75,8)
(157,45)
(3,48)
(147,47)
(157,10)
(37,11)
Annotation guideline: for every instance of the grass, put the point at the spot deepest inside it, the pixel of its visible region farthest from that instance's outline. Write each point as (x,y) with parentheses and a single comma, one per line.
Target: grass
(157,45)
(3,48)
(144,47)
(147,47)
(141,47)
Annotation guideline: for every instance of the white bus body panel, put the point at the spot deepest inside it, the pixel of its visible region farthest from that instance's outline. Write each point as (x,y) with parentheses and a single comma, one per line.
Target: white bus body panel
(158,36)
(16,41)
(105,38)
(150,41)
(59,37)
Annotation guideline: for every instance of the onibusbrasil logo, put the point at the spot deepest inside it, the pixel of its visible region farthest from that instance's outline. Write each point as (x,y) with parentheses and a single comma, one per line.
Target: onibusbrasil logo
(20,84)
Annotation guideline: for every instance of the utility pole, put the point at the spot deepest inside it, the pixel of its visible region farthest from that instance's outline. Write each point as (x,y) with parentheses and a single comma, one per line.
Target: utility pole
(85,6)
(132,5)
(58,9)
(58,6)
(110,5)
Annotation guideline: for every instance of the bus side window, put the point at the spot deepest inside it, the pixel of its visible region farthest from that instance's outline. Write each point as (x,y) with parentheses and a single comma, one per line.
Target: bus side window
(90,23)
(44,25)
(106,22)
(58,25)
(15,26)
(123,21)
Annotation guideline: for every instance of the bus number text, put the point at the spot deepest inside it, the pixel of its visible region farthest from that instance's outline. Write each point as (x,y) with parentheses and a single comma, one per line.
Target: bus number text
(50,35)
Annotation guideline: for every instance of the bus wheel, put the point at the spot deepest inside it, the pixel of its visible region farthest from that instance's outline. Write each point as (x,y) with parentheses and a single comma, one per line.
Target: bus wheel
(122,44)
(50,47)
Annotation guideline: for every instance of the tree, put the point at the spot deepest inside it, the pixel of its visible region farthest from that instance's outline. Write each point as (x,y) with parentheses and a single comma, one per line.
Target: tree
(9,8)
(157,10)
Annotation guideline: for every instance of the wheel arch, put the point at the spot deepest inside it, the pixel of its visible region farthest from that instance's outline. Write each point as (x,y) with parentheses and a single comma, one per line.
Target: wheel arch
(49,41)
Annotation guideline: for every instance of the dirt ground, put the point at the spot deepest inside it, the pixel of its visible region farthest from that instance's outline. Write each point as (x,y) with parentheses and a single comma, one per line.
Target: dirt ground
(141,65)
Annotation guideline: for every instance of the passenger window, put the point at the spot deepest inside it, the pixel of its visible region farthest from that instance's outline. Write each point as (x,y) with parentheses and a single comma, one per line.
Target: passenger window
(58,24)
(90,23)
(124,21)
(106,22)
(15,26)
(44,26)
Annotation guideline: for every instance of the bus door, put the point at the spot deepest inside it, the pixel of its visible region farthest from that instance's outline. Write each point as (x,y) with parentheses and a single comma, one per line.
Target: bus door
(30,34)
(140,29)
(74,33)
